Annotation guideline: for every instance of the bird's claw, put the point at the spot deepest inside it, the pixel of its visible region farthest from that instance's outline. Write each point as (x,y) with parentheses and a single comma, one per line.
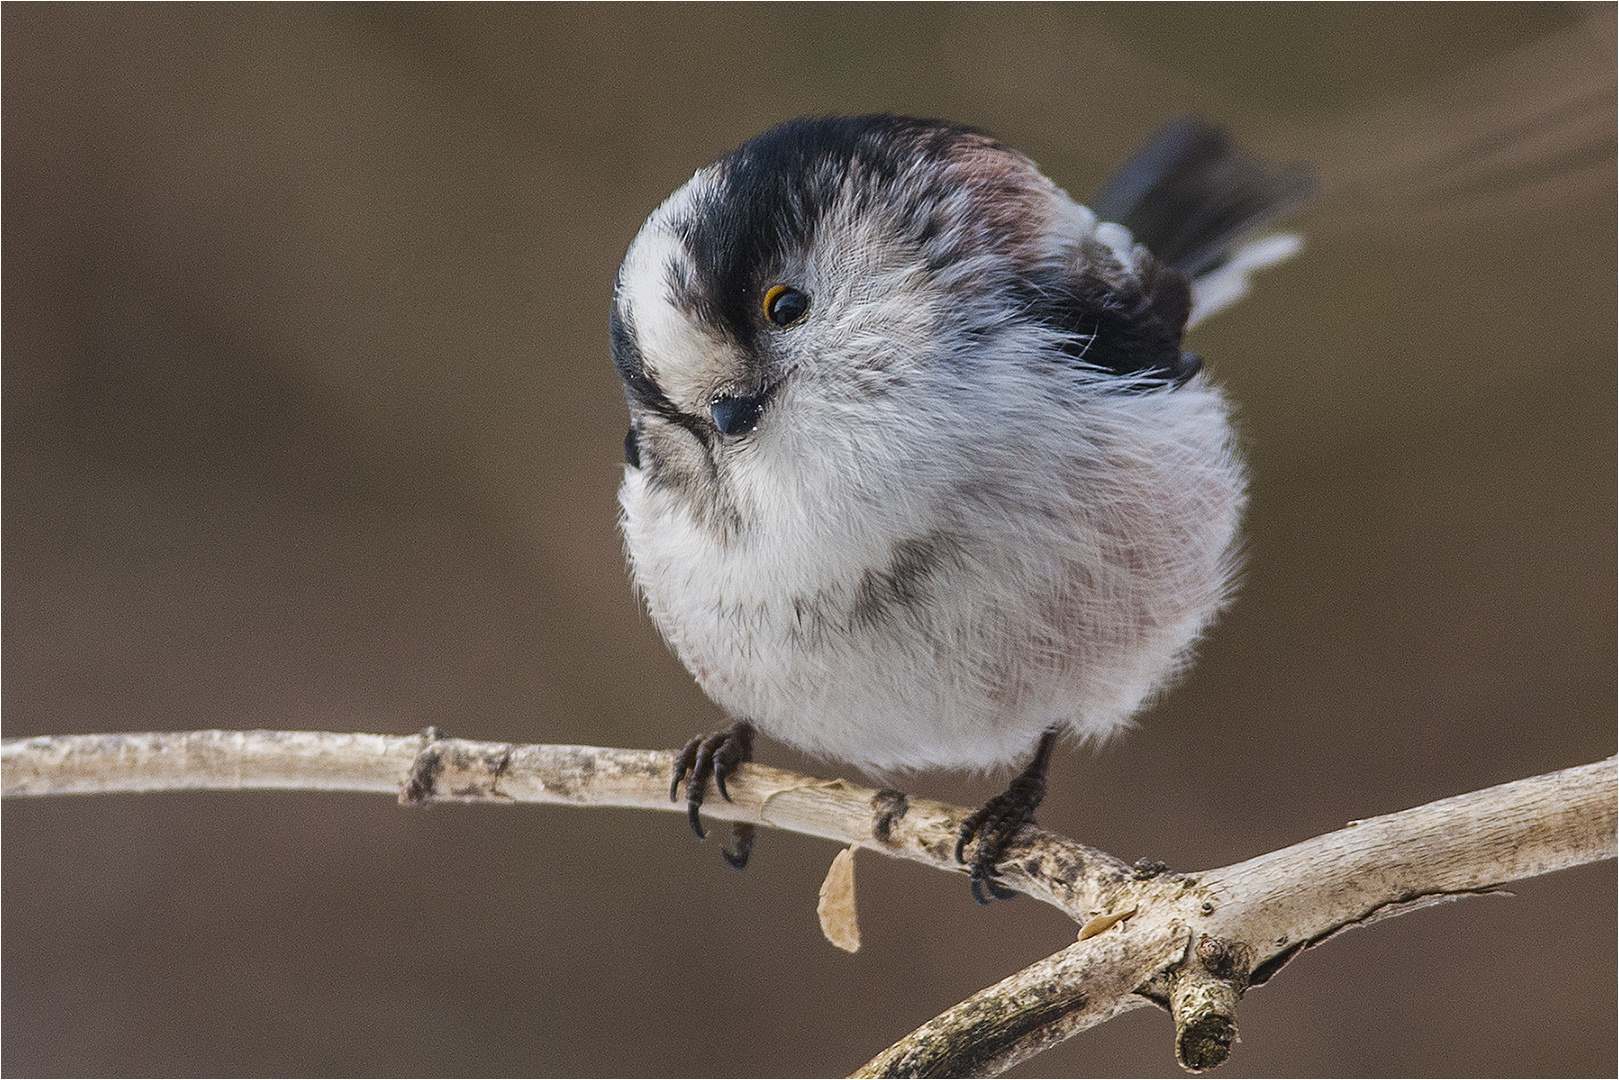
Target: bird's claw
(715,756)
(996,824)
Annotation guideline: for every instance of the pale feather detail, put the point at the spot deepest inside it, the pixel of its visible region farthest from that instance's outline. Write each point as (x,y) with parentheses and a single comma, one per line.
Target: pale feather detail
(1225,285)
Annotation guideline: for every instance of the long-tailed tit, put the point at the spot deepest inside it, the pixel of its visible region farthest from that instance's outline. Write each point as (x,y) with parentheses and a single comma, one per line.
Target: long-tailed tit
(919,475)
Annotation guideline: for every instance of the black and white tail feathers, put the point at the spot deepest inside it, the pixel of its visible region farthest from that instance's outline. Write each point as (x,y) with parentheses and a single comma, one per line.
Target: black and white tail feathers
(1189,195)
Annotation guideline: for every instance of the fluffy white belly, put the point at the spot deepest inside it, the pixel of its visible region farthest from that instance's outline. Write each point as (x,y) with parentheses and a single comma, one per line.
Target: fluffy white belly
(953,646)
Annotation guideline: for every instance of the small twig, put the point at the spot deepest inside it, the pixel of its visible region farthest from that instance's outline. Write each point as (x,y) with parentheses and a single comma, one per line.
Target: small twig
(1203,999)
(1192,943)
(1086,984)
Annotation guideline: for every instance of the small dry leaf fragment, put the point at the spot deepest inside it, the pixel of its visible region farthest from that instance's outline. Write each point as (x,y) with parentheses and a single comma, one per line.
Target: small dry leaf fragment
(1102,922)
(836,910)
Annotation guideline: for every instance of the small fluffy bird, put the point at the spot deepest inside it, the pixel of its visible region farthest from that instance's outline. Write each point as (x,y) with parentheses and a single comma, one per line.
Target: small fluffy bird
(919,475)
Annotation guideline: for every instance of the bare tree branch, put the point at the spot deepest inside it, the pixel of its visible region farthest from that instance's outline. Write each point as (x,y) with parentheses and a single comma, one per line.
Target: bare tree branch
(1244,921)
(422,768)
(1190,942)
(1086,984)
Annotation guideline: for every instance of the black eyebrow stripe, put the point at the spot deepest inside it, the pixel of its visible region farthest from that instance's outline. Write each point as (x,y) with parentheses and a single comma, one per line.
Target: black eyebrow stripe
(639,385)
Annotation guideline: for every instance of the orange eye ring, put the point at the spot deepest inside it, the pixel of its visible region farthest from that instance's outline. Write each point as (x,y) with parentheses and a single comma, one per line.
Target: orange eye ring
(784,305)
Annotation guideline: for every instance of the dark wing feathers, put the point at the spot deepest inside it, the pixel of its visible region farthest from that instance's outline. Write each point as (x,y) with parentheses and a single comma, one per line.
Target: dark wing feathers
(1189,194)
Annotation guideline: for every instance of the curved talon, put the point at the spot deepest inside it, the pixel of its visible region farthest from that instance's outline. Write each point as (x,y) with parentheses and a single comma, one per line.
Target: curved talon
(734,748)
(742,839)
(969,829)
(697,785)
(683,763)
(717,756)
(996,824)
(996,892)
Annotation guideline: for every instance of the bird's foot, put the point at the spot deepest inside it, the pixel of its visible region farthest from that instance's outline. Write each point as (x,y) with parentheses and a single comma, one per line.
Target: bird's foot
(996,824)
(715,756)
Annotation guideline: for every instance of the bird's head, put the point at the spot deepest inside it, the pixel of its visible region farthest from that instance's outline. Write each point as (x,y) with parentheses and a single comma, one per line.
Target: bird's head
(846,294)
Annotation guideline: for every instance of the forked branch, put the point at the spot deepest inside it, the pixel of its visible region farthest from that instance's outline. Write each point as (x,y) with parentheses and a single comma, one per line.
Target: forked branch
(1190,942)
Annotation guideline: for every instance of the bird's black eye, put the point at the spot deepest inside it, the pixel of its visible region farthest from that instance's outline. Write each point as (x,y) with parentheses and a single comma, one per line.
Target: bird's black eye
(785,305)
(735,415)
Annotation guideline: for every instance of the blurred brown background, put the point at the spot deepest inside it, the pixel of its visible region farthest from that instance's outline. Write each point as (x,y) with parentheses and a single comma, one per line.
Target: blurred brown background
(309,423)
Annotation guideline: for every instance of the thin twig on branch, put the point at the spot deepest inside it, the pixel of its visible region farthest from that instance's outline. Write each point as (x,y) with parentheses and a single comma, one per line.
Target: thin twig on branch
(1190,942)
